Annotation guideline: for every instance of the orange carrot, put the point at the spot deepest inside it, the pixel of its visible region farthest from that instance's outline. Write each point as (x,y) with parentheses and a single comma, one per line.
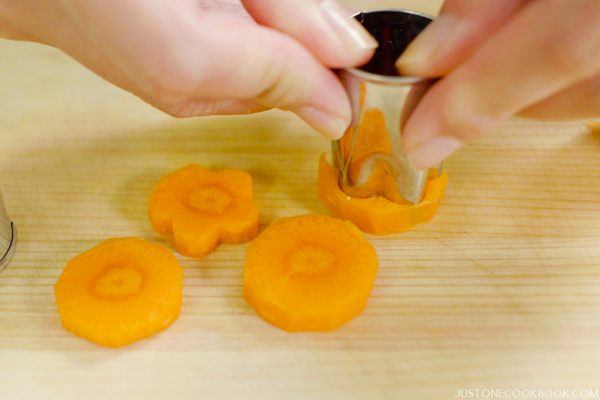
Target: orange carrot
(309,273)
(120,291)
(377,214)
(371,140)
(201,208)
(382,182)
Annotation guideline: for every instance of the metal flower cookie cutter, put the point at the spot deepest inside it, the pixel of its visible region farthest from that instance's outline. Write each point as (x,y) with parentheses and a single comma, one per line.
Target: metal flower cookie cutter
(380,96)
(7,236)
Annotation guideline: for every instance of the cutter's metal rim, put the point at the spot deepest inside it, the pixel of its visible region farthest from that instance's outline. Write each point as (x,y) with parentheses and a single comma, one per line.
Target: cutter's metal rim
(11,247)
(390,80)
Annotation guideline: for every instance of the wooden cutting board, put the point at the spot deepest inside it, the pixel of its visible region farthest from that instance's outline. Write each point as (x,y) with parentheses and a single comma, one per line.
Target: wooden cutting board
(501,289)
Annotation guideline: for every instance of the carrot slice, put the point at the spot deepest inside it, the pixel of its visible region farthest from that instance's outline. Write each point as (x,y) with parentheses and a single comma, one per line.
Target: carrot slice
(120,291)
(382,182)
(371,139)
(377,214)
(201,208)
(309,273)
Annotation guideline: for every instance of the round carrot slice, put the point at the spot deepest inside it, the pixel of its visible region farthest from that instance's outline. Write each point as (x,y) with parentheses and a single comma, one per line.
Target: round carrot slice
(377,214)
(309,273)
(201,208)
(120,291)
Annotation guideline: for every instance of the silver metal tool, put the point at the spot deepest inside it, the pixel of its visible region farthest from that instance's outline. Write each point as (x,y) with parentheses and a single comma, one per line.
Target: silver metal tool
(378,86)
(8,236)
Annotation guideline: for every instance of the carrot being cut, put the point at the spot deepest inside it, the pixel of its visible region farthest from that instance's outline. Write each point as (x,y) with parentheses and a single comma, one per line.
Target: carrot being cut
(381,182)
(309,273)
(371,140)
(377,214)
(201,208)
(120,291)
(363,185)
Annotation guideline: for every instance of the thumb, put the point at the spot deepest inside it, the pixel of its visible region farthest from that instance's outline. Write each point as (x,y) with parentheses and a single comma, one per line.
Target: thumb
(459,30)
(322,26)
(246,61)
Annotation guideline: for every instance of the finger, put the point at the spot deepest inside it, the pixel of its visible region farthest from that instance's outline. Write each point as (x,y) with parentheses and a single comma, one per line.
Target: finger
(454,35)
(187,57)
(223,7)
(216,107)
(250,62)
(9,31)
(524,63)
(322,26)
(580,101)
(18,20)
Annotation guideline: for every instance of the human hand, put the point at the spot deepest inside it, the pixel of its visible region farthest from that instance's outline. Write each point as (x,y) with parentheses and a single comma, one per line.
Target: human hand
(535,58)
(202,57)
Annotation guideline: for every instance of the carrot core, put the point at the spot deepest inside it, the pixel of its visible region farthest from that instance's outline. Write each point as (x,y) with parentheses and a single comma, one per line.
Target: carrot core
(311,260)
(210,199)
(118,282)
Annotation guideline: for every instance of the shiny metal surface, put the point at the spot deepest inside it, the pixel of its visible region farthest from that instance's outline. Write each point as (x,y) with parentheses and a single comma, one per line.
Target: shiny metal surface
(7,236)
(377,87)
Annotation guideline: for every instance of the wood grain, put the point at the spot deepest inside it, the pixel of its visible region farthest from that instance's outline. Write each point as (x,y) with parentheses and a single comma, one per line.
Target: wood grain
(501,289)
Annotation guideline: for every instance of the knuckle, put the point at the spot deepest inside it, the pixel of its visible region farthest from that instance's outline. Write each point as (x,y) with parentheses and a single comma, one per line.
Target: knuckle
(171,82)
(176,110)
(575,47)
(564,56)
(460,119)
(279,85)
(166,84)
(195,108)
(462,126)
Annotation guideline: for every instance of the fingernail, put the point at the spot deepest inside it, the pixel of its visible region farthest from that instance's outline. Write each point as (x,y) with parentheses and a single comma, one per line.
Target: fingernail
(351,33)
(421,50)
(330,126)
(432,151)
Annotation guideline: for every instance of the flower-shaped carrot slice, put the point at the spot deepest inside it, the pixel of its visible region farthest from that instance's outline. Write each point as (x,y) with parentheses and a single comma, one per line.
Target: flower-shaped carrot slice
(377,214)
(309,273)
(120,291)
(201,208)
